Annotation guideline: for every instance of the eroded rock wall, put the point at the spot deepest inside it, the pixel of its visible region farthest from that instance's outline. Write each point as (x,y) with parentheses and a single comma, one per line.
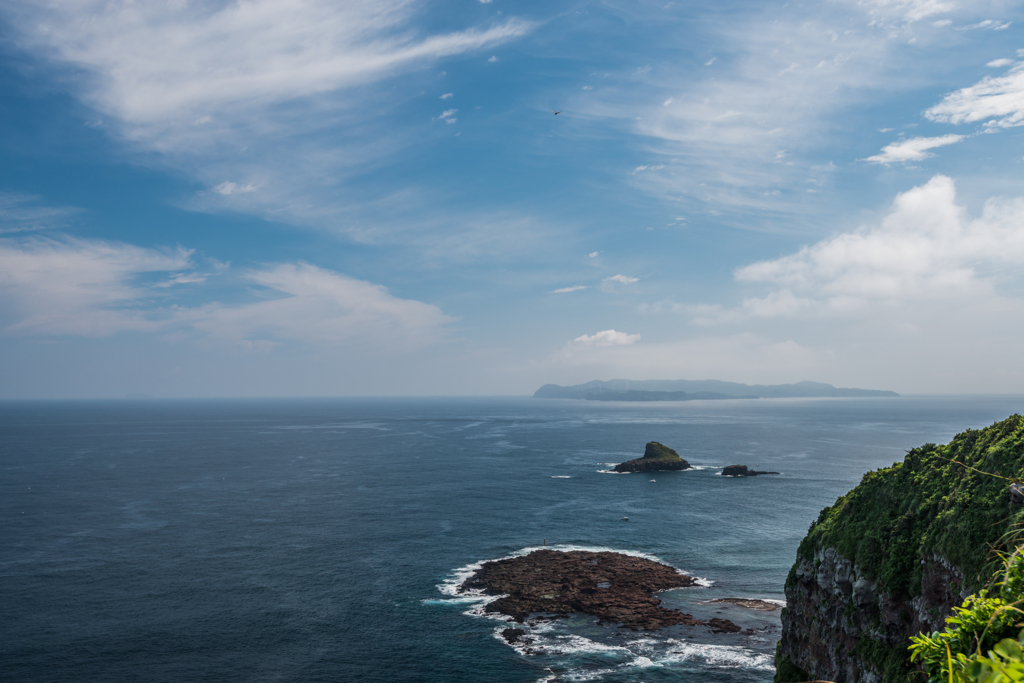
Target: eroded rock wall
(839,626)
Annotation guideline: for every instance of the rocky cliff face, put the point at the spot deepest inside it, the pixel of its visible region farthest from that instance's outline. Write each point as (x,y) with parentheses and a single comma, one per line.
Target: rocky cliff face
(839,626)
(893,557)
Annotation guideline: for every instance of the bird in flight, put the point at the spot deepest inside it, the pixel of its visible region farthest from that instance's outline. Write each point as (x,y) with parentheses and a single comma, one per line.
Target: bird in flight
(556,113)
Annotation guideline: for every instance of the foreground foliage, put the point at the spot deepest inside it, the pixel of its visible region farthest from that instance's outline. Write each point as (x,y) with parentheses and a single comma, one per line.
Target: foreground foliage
(983,641)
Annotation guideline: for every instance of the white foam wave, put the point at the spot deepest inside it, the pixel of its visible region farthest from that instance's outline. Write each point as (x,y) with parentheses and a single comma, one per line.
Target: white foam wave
(719,656)
(464,600)
(613,472)
(560,476)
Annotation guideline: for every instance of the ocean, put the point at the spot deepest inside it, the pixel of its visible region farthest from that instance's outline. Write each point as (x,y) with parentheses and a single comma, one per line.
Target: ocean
(321,540)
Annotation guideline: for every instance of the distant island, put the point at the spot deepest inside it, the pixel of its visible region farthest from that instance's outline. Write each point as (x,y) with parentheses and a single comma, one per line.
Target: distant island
(698,390)
(657,458)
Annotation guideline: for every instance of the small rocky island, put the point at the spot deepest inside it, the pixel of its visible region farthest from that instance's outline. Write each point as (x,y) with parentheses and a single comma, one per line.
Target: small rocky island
(657,458)
(741,471)
(611,586)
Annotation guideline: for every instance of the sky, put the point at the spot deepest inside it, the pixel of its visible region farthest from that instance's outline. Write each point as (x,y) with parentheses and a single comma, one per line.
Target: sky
(314,198)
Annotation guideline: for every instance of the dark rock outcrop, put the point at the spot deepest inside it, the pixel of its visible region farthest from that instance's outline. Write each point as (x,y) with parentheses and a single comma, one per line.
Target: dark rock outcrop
(610,586)
(741,471)
(656,458)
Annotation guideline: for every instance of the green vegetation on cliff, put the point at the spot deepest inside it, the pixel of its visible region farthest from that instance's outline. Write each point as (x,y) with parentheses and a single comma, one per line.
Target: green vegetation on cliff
(897,553)
(940,500)
(657,451)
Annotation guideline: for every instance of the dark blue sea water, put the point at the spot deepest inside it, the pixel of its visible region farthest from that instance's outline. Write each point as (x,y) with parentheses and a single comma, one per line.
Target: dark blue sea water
(318,540)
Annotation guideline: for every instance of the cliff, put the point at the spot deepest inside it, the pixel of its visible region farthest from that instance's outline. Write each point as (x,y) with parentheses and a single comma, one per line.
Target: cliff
(893,556)
(657,458)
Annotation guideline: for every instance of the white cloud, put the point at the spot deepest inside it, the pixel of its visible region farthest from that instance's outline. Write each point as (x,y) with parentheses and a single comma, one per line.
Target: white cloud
(93,288)
(486,2)
(593,254)
(78,287)
(999,101)
(566,290)
(912,149)
(229,188)
(604,339)
(319,306)
(925,249)
(493,58)
(998,63)
(447,96)
(623,279)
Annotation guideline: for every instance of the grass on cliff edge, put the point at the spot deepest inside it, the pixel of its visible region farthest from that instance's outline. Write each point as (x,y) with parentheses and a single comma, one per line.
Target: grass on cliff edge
(928,504)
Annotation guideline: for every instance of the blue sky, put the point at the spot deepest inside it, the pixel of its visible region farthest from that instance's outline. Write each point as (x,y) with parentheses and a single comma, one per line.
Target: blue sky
(317,198)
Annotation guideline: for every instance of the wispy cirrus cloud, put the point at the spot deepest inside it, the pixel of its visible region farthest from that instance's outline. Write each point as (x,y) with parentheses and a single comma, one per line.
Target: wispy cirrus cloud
(622,279)
(912,149)
(741,139)
(906,10)
(273,105)
(566,290)
(157,63)
(20,212)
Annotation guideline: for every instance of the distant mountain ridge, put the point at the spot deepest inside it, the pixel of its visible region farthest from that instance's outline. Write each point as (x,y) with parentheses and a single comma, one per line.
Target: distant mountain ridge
(697,389)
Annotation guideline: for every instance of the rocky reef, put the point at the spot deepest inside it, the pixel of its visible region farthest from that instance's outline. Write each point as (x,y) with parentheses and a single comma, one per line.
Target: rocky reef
(741,471)
(893,556)
(611,586)
(657,458)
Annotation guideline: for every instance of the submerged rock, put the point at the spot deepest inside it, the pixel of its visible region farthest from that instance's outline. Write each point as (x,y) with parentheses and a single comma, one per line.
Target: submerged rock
(657,458)
(750,603)
(611,586)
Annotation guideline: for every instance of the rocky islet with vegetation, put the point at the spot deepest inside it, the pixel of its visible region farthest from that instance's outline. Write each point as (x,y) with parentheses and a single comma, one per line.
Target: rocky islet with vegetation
(656,458)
